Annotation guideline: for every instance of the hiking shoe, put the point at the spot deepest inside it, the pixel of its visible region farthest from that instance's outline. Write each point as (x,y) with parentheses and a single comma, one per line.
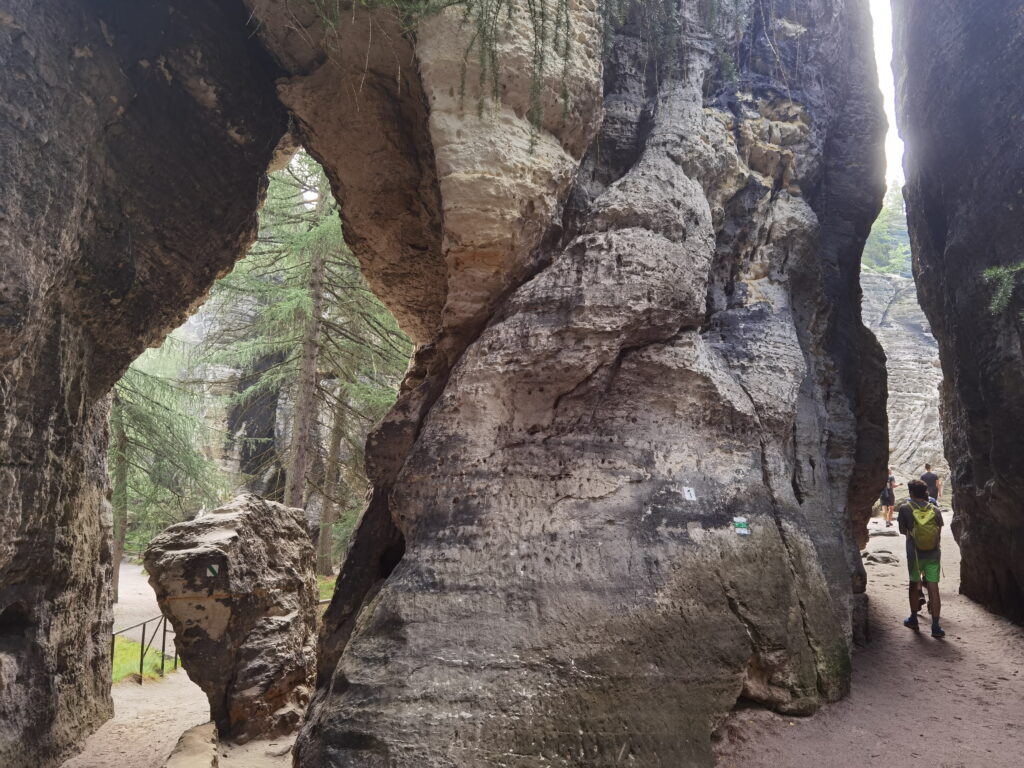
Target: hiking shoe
(911,623)
(938,631)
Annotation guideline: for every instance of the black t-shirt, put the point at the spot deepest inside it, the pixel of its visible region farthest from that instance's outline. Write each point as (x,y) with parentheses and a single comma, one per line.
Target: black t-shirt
(932,481)
(906,522)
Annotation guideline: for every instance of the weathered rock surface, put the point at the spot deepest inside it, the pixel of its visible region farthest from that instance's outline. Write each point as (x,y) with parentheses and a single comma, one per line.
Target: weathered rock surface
(238,585)
(133,141)
(892,313)
(197,748)
(960,104)
(547,570)
(572,588)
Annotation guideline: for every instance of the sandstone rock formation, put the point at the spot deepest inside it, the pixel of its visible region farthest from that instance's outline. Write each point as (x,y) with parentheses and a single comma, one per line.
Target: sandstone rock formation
(892,313)
(238,585)
(573,588)
(549,567)
(197,748)
(134,137)
(959,106)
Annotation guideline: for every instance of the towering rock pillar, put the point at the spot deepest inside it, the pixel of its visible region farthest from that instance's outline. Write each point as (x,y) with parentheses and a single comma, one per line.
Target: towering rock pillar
(636,497)
(961,113)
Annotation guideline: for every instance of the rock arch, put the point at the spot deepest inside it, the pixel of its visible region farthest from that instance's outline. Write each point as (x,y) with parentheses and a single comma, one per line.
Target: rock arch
(638,321)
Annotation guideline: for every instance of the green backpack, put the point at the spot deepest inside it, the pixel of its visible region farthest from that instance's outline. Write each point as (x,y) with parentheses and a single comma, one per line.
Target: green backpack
(926,527)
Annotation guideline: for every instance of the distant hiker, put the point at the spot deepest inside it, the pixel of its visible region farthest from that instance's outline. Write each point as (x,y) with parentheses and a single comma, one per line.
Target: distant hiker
(933,481)
(921,522)
(888,497)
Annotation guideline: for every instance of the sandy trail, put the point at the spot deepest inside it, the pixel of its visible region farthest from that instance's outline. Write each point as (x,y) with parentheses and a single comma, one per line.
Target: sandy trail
(916,701)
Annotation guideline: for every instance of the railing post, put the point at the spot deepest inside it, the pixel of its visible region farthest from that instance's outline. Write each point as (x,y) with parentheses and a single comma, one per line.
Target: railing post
(142,655)
(163,647)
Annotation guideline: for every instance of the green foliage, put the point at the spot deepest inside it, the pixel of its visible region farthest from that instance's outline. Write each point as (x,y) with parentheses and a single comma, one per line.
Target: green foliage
(159,472)
(1004,281)
(887,249)
(325,586)
(260,312)
(164,453)
(126,661)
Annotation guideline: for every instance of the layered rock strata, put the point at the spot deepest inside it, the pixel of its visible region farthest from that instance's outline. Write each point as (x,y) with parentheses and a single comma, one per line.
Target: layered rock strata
(959,105)
(238,585)
(687,358)
(133,142)
(893,314)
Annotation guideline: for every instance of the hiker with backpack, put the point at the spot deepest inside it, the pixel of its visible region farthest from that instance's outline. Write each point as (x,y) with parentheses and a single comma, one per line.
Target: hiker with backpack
(921,522)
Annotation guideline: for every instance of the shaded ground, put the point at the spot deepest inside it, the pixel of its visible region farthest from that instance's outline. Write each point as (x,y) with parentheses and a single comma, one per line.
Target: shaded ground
(148,720)
(916,701)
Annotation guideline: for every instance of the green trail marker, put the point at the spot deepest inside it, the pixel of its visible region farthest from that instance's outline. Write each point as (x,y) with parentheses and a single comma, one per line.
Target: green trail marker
(212,569)
(741,527)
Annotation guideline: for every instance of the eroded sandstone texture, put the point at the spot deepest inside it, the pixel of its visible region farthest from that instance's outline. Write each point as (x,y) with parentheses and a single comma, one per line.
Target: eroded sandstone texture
(687,351)
(133,141)
(548,568)
(892,313)
(960,107)
(238,585)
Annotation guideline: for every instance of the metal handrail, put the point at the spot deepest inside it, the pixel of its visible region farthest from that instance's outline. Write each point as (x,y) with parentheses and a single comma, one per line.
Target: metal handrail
(144,649)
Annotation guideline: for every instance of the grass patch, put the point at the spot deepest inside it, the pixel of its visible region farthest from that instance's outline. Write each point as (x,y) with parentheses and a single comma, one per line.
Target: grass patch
(325,585)
(126,660)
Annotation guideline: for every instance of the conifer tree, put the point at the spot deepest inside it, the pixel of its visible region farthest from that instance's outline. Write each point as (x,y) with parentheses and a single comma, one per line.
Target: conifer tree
(158,471)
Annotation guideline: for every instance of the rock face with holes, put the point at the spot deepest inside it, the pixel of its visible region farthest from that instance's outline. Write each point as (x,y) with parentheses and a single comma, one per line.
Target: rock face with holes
(238,585)
(959,107)
(634,500)
(892,313)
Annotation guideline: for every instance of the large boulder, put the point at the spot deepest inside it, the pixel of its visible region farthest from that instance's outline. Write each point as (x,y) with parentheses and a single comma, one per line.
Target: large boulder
(238,585)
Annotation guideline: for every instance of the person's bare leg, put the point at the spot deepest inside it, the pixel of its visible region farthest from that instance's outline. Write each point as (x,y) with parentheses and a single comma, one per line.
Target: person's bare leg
(934,601)
(915,590)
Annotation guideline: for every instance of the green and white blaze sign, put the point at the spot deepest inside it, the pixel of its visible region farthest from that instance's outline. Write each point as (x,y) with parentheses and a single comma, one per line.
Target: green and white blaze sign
(212,569)
(741,526)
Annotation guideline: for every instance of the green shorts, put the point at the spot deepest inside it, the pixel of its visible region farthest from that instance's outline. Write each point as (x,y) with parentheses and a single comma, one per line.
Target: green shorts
(929,569)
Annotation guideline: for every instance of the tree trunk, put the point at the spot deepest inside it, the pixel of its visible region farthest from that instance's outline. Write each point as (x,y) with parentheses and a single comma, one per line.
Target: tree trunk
(119,498)
(332,476)
(305,397)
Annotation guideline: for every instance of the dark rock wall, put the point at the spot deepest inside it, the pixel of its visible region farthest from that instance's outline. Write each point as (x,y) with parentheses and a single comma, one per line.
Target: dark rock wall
(133,141)
(573,589)
(960,107)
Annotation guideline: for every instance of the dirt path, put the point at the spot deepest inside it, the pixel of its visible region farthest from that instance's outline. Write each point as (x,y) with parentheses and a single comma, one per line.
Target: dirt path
(916,701)
(148,719)
(136,602)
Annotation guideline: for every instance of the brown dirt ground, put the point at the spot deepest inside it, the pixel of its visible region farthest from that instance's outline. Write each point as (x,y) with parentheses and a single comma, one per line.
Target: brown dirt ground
(915,701)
